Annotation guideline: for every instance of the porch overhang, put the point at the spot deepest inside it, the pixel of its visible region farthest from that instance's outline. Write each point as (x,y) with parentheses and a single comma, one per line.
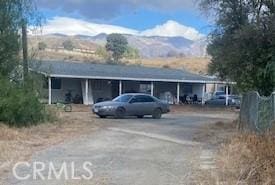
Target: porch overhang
(136,79)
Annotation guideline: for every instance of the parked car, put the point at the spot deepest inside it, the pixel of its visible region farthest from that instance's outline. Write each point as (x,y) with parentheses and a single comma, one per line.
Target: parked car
(134,104)
(233,100)
(218,94)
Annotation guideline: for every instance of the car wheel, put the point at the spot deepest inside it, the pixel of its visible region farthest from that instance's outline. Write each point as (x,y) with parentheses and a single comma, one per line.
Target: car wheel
(157,114)
(120,113)
(102,116)
(140,117)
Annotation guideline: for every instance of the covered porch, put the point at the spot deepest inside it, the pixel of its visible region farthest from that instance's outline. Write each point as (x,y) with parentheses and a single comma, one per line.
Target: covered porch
(90,91)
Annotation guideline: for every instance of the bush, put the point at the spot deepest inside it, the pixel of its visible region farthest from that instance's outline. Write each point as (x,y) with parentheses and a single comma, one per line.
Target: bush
(20,106)
(42,46)
(68,45)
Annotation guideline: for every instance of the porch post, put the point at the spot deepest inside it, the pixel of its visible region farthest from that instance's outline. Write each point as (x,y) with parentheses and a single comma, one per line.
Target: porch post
(120,87)
(86,92)
(216,87)
(50,90)
(203,94)
(178,93)
(152,88)
(226,92)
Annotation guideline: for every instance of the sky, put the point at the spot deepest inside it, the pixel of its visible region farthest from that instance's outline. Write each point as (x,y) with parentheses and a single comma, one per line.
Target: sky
(139,17)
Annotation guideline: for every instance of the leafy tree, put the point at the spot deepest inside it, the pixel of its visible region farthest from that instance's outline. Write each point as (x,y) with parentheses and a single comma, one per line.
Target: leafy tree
(42,46)
(131,53)
(13,14)
(242,45)
(19,104)
(117,44)
(102,52)
(68,45)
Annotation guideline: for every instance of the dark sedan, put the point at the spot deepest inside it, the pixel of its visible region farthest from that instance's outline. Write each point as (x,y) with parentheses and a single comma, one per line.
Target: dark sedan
(133,104)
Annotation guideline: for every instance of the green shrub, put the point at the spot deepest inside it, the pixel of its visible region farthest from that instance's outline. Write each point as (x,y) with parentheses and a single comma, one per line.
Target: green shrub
(42,46)
(20,106)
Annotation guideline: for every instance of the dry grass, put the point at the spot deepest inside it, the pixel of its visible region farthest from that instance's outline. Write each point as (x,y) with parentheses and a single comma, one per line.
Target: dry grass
(244,159)
(248,159)
(19,144)
(197,108)
(195,64)
(69,56)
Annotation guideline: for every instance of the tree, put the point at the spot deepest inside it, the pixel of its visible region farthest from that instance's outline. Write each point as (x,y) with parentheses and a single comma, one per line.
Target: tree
(242,45)
(19,104)
(131,53)
(14,15)
(68,45)
(102,52)
(42,46)
(117,44)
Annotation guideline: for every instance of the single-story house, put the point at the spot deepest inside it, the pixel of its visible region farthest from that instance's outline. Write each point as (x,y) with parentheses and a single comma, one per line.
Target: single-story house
(94,82)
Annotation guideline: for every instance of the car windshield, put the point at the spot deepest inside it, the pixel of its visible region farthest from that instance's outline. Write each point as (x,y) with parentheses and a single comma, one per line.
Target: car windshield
(219,93)
(123,98)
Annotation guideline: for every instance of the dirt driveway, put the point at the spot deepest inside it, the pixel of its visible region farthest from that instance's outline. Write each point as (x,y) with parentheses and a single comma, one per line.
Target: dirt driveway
(135,151)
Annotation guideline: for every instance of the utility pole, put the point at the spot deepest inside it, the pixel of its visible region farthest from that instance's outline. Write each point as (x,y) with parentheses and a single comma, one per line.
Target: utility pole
(25,50)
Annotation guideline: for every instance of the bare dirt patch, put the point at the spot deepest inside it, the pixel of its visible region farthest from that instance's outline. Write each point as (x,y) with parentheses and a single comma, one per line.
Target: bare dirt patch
(216,134)
(18,144)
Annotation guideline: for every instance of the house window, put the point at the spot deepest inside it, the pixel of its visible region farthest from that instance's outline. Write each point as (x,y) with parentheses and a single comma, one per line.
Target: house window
(56,83)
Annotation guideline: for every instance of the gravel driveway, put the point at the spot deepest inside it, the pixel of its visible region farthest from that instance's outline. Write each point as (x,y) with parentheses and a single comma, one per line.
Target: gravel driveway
(134,152)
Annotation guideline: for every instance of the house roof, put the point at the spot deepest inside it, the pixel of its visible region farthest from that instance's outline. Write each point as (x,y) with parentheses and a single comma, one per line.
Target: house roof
(116,72)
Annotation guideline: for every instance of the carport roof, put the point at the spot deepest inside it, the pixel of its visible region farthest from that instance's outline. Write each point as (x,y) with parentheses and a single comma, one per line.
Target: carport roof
(116,72)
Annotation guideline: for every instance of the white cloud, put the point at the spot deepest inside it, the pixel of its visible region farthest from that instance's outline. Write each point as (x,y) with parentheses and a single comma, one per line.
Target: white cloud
(70,26)
(173,29)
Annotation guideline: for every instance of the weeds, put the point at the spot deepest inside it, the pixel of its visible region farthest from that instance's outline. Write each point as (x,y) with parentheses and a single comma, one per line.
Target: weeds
(245,159)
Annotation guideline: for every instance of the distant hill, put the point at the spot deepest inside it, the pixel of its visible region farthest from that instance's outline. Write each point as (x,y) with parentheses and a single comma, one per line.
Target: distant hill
(155,51)
(149,47)
(55,41)
(155,46)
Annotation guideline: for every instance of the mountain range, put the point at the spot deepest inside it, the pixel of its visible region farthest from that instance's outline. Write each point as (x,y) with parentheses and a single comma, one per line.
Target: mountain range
(148,46)
(170,39)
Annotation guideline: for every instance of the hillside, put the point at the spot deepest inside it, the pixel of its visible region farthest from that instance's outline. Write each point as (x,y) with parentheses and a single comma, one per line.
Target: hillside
(168,52)
(195,64)
(55,41)
(156,46)
(148,46)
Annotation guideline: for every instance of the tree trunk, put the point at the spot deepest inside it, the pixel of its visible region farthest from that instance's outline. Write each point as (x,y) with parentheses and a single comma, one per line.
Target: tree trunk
(25,51)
